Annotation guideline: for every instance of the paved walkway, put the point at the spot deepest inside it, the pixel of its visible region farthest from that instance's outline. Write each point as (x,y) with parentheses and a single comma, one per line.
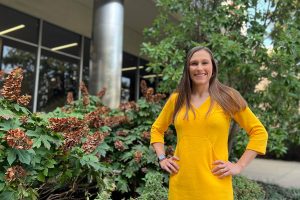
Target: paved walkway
(283,173)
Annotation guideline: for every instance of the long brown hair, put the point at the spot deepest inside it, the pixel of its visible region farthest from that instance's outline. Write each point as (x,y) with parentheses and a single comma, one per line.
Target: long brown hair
(228,98)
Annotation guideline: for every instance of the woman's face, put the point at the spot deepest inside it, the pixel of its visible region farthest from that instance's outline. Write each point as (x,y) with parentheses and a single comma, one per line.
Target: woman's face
(200,68)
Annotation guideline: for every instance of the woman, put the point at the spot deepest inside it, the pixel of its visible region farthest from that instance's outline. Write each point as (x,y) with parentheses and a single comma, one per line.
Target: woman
(201,110)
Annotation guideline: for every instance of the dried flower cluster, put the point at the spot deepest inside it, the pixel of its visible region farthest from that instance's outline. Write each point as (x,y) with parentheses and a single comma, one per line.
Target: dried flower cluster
(94,118)
(96,121)
(23,119)
(170,151)
(16,138)
(107,160)
(93,141)
(101,93)
(1,74)
(72,128)
(66,109)
(138,156)
(144,87)
(146,135)
(128,106)
(99,111)
(148,93)
(12,85)
(12,88)
(6,117)
(115,120)
(24,100)
(74,138)
(85,94)
(70,98)
(169,132)
(119,145)
(121,133)
(68,124)
(98,118)
(14,173)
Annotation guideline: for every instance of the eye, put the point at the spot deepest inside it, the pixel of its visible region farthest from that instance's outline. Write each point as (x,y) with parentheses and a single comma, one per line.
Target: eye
(204,63)
(193,63)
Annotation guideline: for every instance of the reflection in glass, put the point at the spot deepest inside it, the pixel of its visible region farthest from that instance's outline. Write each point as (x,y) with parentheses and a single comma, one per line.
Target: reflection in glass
(20,56)
(151,82)
(54,36)
(58,76)
(86,62)
(10,18)
(125,89)
(129,68)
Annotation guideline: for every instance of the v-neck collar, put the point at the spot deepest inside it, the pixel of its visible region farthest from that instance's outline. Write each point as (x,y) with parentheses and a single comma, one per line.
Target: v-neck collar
(201,105)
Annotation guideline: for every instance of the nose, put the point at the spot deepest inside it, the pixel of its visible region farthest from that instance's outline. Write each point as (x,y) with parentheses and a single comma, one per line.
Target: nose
(199,65)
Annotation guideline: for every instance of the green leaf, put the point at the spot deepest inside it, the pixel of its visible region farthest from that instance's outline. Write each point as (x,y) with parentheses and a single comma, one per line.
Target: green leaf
(35,133)
(90,160)
(37,143)
(25,110)
(105,129)
(2,185)
(122,184)
(45,141)
(41,177)
(51,163)
(17,107)
(24,156)
(10,124)
(102,149)
(8,195)
(45,172)
(11,156)
(6,114)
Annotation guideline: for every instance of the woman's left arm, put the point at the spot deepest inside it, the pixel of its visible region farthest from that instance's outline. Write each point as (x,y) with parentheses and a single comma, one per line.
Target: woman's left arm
(224,169)
(257,144)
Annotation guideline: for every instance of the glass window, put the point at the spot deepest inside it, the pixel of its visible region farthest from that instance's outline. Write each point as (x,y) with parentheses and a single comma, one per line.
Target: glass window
(18,25)
(58,76)
(86,61)
(1,49)
(147,76)
(129,70)
(16,54)
(59,39)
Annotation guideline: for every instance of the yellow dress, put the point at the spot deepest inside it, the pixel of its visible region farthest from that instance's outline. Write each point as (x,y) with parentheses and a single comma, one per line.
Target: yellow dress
(200,141)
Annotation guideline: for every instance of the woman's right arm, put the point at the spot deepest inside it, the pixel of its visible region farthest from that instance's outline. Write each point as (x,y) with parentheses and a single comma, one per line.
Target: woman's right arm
(158,129)
(167,164)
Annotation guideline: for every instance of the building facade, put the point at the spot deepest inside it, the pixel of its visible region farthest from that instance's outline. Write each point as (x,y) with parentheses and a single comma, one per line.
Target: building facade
(54,41)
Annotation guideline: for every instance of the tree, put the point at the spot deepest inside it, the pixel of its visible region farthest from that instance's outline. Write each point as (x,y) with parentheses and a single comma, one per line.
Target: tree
(236,32)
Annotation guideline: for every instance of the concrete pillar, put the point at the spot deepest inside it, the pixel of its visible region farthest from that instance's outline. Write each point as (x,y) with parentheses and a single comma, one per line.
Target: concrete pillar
(106,50)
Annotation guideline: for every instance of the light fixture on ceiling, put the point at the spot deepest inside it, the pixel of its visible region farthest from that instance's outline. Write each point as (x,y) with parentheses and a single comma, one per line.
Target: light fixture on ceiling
(131,68)
(64,46)
(151,76)
(12,29)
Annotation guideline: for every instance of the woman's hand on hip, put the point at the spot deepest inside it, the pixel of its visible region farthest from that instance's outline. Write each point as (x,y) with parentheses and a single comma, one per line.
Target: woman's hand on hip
(170,165)
(226,168)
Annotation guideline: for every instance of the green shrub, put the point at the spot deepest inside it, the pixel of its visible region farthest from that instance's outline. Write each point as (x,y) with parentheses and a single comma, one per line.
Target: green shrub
(245,189)
(71,151)
(154,188)
(276,192)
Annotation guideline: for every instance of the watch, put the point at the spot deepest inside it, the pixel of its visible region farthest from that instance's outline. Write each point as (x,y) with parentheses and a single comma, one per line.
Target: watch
(161,157)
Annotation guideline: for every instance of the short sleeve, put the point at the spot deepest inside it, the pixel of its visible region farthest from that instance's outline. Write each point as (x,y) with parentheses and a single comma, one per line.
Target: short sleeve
(257,133)
(163,121)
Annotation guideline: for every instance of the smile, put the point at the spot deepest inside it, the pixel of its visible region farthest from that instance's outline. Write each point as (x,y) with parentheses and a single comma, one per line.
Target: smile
(200,75)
